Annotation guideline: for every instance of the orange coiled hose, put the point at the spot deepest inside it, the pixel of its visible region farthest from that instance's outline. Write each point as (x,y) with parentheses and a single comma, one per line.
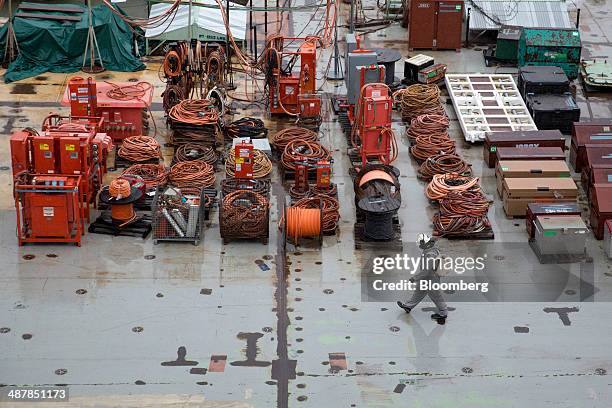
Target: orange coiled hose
(459,225)
(330,207)
(443,163)
(123,213)
(282,138)
(431,145)
(153,174)
(311,152)
(465,203)
(424,125)
(244,214)
(192,174)
(419,99)
(129,92)
(173,63)
(442,184)
(140,149)
(303,222)
(195,112)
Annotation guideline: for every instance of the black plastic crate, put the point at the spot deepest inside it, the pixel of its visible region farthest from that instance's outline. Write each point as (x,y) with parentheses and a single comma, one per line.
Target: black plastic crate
(542,80)
(553,111)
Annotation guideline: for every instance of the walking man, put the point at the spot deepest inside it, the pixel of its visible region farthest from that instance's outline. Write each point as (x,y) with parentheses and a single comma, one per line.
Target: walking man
(428,272)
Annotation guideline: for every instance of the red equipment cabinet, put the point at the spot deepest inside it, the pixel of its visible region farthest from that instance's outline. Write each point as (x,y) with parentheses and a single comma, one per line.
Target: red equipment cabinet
(121,118)
(323,174)
(373,134)
(435,24)
(310,105)
(48,209)
(243,156)
(286,88)
(43,154)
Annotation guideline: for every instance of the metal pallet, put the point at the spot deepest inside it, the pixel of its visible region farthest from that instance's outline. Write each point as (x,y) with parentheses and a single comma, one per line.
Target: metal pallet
(487,103)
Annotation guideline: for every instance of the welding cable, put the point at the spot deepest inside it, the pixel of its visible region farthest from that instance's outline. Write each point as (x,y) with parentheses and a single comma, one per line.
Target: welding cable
(204,137)
(257,186)
(120,189)
(424,125)
(153,174)
(442,184)
(172,95)
(311,152)
(302,222)
(244,214)
(73,127)
(432,145)
(246,127)
(441,164)
(129,92)
(330,207)
(139,149)
(196,112)
(262,166)
(173,64)
(332,191)
(192,174)
(459,225)
(468,203)
(283,137)
(194,151)
(419,99)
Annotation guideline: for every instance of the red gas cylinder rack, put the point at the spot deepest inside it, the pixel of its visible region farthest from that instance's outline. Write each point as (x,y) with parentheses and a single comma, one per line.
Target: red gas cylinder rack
(243,156)
(372,132)
(48,208)
(123,112)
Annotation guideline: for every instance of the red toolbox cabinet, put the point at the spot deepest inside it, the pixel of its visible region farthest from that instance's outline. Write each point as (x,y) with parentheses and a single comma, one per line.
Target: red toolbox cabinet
(435,24)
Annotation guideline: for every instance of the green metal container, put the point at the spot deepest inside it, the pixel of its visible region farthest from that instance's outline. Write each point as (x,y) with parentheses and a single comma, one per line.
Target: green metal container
(551,46)
(507,43)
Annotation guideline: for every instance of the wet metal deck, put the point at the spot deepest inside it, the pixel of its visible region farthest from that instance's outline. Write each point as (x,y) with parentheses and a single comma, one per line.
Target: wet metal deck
(247,324)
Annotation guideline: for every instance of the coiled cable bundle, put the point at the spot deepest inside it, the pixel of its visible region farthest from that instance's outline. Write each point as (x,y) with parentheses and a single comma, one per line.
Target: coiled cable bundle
(246,127)
(171,96)
(194,151)
(432,145)
(465,203)
(229,185)
(443,184)
(282,138)
(197,112)
(445,225)
(244,215)
(262,166)
(309,151)
(154,175)
(139,149)
(192,174)
(302,222)
(424,125)
(330,207)
(442,164)
(419,99)
(120,189)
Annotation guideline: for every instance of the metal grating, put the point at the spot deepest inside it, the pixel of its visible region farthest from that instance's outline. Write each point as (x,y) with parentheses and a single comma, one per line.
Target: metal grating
(492,14)
(487,103)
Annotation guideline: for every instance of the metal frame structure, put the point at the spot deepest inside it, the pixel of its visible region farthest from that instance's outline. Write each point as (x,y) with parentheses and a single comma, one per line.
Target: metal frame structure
(487,103)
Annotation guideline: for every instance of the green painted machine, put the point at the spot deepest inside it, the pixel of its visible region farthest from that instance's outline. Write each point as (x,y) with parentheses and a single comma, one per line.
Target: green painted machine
(551,46)
(507,43)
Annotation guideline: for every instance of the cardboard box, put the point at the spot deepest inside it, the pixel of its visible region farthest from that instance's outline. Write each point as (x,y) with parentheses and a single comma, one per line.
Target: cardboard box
(519,192)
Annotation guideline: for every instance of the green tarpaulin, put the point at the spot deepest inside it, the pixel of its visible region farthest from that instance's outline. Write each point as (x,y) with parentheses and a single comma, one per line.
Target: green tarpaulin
(58,46)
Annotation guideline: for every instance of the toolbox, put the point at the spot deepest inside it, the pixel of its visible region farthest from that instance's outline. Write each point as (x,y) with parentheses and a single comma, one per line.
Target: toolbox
(608,238)
(413,65)
(553,111)
(520,139)
(557,209)
(560,235)
(431,74)
(530,153)
(593,132)
(598,166)
(519,192)
(529,169)
(601,208)
(542,80)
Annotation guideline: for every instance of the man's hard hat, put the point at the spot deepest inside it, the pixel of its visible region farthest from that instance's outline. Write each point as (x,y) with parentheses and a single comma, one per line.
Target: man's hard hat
(425,241)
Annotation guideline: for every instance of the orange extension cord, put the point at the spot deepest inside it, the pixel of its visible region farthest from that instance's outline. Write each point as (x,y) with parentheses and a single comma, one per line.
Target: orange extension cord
(153,174)
(124,213)
(140,149)
(283,137)
(312,152)
(195,112)
(192,174)
(443,184)
(303,222)
(424,125)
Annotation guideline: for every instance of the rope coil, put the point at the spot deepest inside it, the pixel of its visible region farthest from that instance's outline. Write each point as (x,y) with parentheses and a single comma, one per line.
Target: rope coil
(140,149)
(262,166)
(192,174)
(122,213)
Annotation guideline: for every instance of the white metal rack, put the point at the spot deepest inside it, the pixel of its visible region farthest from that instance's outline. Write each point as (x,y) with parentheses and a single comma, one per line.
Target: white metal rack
(487,103)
